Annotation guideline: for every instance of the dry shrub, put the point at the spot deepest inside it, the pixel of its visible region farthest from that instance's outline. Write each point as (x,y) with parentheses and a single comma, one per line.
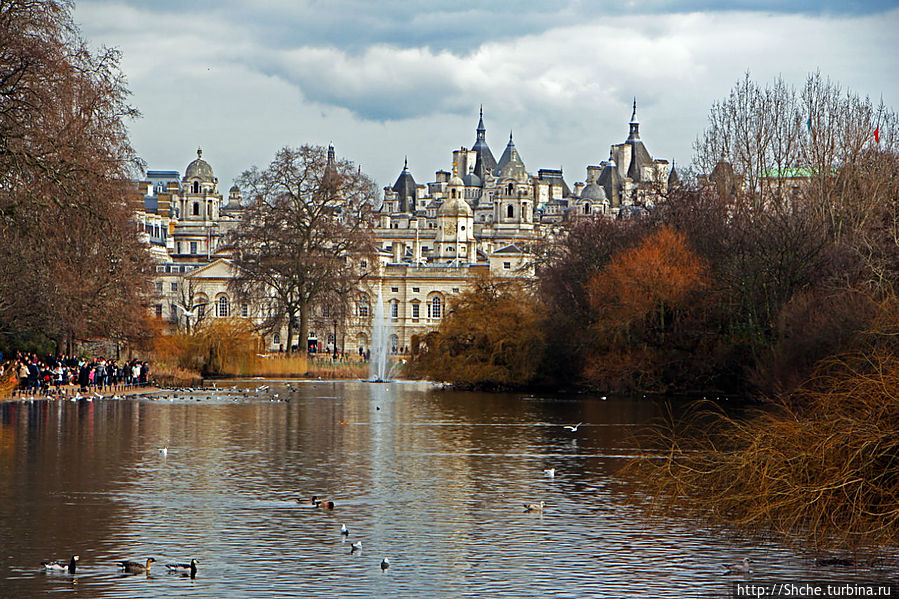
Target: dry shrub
(821,465)
(812,326)
(8,382)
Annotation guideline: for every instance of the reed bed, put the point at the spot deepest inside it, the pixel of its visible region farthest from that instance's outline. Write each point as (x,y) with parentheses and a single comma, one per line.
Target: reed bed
(821,465)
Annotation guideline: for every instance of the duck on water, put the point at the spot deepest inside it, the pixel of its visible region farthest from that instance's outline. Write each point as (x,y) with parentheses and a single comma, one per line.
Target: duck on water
(61,565)
(136,567)
(184,569)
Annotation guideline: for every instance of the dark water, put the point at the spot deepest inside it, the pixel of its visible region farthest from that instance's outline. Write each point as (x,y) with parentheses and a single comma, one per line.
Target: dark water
(433,480)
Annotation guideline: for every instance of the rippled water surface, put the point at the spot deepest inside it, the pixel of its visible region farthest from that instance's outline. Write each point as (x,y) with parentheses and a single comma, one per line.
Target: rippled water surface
(433,480)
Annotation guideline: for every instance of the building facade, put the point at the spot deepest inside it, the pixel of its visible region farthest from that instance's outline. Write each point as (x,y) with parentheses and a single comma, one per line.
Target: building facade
(481,217)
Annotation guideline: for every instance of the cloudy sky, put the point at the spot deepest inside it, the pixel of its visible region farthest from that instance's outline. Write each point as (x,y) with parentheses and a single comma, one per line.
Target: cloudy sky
(389,78)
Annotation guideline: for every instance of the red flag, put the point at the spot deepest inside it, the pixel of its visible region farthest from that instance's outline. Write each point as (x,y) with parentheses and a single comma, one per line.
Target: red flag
(877,135)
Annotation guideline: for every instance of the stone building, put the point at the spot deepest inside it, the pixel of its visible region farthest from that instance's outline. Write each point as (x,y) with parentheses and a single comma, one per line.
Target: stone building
(483,216)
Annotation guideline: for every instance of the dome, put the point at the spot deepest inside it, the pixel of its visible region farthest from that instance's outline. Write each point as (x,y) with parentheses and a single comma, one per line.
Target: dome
(471,180)
(199,169)
(454,207)
(456,181)
(594,192)
(234,188)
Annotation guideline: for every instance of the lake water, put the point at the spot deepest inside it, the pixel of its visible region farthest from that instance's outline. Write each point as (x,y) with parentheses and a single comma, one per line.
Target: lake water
(433,480)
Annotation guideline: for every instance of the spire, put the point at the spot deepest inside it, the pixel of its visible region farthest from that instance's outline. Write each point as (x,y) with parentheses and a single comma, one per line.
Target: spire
(510,137)
(330,153)
(634,124)
(199,153)
(481,130)
(406,164)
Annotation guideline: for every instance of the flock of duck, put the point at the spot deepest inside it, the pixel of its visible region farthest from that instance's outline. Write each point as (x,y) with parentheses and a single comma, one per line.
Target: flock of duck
(344,531)
(126,566)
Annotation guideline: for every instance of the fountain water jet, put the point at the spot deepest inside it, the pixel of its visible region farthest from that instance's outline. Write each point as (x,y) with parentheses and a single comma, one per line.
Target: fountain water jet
(380,344)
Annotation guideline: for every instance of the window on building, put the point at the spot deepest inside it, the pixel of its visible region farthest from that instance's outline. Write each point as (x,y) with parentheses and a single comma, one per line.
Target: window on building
(201,310)
(196,189)
(326,311)
(363,263)
(158,309)
(586,208)
(455,290)
(435,308)
(167,268)
(362,308)
(395,289)
(174,285)
(415,289)
(510,211)
(196,209)
(193,247)
(276,338)
(415,310)
(244,310)
(394,309)
(158,286)
(222,307)
(178,246)
(507,265)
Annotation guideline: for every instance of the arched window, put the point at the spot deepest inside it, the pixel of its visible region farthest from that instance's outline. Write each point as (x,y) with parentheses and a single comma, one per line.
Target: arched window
(196,187)
(196,210)
(362,307)
(276,339)
(586,208)
(222,307)
(394,309)
(511,188)
(435,307)
(510,211)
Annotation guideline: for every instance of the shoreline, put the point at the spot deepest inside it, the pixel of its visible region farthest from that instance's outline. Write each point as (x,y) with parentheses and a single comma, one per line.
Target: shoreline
(70,392)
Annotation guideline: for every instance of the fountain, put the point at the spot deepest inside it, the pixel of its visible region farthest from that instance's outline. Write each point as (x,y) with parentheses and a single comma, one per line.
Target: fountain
(380,344)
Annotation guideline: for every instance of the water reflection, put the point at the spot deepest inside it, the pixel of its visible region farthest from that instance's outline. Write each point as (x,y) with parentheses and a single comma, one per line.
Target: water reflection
(435,481)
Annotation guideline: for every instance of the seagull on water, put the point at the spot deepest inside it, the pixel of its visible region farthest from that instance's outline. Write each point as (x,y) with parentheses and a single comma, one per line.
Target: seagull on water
(550,472)
(344,531)
(574,428)
(385,563)
(164,451)
(534,507)
(742,568)
(357,546)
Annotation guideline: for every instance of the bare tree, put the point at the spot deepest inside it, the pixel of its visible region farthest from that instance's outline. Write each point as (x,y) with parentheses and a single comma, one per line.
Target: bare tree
(70,263)
(190,307)
(305,234)
(773,134)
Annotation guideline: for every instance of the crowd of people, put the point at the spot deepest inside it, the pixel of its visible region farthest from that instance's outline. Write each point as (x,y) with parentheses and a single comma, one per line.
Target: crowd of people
(62,374)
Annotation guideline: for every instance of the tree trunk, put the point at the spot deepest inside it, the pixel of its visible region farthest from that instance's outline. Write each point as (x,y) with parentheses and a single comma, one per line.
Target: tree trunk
(304,326)
(290,317)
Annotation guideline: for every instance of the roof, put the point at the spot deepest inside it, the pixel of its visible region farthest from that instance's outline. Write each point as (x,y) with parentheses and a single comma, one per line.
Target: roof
(510,249)
(485,160)
(510,164)
(639,158)
(454,207)
(593,191)
(199,169)
(405,188)
(796,172)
